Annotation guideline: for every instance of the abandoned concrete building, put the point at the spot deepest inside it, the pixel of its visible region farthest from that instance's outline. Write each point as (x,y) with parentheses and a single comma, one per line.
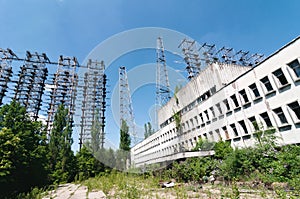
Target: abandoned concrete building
(222,102)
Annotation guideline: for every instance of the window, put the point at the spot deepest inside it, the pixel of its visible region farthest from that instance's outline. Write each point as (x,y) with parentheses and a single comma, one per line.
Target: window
(234,129)
(267,83)
(280,114)
(226,104)
(219,108)
(254,89)
(295,108)
(244,95)
(266,118)
(295,66)
(212,111)
(235,101)
(219,135)
(226,132)
(254,123)
(280,76)
(243,125)
(206,113)
(201,117)
(196,119)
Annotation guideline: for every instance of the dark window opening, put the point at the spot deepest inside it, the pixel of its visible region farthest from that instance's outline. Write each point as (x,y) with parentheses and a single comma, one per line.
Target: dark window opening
(206,113)
(266,118)
(244,95)
(212,111)
(219,108)
(296,108)
(201,116)
(226,132)
(234,129)
(267,83)
(280,114)
(243,125)
(280,76)
(295,66)
(254,89)
(226,104)
(254,123)
(235,101)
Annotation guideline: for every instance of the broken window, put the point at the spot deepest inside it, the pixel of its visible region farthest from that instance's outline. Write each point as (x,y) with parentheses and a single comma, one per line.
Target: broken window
(234,129)
(235,101)
(280,114)
(219,108)
(212,111)
(226,132)
(295,66)
(226,104)
(244,95)
(295,108)
(267,83)
(280,76)
(254,89)
(266,118)
(206,113)
(243,125)
(254,123)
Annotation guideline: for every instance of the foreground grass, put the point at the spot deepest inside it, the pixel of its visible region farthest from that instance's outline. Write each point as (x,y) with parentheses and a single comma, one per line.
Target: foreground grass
(122,185)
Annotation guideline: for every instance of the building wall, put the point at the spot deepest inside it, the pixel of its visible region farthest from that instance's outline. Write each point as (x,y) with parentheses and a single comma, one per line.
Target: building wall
(229,113)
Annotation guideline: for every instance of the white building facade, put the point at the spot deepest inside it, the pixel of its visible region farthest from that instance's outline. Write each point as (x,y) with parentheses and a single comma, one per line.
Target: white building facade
(223,102)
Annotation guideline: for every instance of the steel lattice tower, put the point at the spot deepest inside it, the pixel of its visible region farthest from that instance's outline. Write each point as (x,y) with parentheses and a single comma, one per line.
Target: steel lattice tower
(162,80)
(5,71)
(93,103)
(126,110)
(64,89)
(31,84)
(191,57)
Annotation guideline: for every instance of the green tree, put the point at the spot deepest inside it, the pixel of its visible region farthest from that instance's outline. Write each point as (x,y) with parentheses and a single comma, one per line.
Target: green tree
(124,137)
(96,133)
(22,151)
(62,159)
(148,130)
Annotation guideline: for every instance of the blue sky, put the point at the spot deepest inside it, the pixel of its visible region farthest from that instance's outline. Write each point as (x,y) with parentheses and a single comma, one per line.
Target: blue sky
(75,27)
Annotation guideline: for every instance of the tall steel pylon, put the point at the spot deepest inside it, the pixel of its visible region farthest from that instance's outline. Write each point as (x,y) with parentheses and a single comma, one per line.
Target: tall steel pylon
(64,89)
(191,57)
(31,84)
(5,71)
(126,110)
(93,104)
(162,79)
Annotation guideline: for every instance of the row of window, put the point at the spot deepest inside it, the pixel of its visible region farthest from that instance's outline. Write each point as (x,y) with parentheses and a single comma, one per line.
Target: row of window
(280,80)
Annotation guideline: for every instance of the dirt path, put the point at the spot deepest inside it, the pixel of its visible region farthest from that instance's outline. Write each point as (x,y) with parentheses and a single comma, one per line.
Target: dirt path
(74,191)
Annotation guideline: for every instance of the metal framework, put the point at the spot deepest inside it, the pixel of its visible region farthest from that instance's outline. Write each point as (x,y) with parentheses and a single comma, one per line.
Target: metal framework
(162,80)
(64,89)
(93,103)
(191,57)
(208,53)
(31,84)
(126,110)
(5,71)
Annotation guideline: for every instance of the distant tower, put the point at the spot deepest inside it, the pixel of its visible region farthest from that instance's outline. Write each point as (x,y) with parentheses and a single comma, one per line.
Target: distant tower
(162,80)
(31,84)
(6,57)
(64,89)
(93,103)
(126,110)
(191,57)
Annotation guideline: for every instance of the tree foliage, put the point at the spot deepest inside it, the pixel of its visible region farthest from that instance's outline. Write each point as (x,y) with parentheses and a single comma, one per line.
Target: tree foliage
(23,161)
(62,159)
(124,137)
(148,130)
